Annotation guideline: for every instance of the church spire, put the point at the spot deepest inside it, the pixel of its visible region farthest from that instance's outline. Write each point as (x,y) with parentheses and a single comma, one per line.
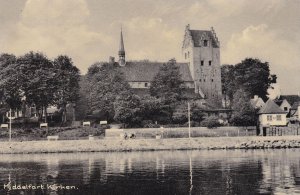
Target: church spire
(122,61)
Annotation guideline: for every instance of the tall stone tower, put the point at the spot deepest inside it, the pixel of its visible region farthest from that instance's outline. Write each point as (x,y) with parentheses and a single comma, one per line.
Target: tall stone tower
(122,61)
(201,50)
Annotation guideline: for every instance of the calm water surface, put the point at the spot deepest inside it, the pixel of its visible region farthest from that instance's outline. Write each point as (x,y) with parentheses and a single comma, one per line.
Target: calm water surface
(179,172)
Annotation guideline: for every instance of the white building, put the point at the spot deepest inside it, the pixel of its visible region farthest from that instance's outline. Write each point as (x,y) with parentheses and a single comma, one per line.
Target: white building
(272,115)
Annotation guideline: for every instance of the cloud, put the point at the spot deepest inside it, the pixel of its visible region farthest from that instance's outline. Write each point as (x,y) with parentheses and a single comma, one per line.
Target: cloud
(58,27)
(268,45)
(156,39)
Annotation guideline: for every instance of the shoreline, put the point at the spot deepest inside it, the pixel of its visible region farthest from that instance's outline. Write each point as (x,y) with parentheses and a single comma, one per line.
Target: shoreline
(120,145)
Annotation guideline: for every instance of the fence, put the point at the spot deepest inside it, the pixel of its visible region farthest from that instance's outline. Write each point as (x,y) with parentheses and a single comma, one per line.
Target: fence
(195,132)
(280,131)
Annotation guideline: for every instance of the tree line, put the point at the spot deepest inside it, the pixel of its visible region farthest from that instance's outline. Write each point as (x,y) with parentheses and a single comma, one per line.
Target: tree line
(35,80)
(106,94)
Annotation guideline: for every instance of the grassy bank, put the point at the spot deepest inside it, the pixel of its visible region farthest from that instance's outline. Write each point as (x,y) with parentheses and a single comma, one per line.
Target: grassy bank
(107,145)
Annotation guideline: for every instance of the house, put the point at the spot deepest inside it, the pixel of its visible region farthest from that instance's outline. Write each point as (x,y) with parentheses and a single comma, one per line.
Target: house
(294,116)
(272,115)
(200,71)
(283,104)
(290,98)
(257,102)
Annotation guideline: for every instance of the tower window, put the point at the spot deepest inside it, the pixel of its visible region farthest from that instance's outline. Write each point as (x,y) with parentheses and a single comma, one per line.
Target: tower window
(146,84)
(203,80)
(184,55)
(202,62)
(212,80)
(200,80)
(205,43)
(188,54)
(209,62)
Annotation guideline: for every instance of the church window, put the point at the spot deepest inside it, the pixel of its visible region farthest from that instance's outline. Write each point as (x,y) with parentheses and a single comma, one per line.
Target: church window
(200,80)
(184,55)
(212,80)
(202,62)
(188,54)
(205,43)
(209,62)
(146,84)
(203,80)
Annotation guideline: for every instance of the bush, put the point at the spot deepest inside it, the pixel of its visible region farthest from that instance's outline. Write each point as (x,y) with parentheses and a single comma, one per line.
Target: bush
(211,122)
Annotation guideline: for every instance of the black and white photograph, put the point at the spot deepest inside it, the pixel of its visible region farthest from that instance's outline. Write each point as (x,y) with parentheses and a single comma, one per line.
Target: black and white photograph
(149,97)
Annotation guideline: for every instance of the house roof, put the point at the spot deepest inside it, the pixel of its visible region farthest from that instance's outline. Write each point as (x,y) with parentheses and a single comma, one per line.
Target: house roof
(254,102)
(270,108)
(197,35)
(146,71)
(295,106)
(291,99)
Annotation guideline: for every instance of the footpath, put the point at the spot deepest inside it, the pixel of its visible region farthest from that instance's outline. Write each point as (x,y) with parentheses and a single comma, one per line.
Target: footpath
(121,145)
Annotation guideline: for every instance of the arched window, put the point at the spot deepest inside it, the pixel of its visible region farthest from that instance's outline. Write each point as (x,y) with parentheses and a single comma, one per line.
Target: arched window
(205,43)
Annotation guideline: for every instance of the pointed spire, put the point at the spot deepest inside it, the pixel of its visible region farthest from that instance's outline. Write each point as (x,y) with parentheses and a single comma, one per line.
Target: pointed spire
(121,50)
(121,47)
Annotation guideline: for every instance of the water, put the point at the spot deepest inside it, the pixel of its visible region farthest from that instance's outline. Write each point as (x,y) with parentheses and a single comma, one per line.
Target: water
(178,172)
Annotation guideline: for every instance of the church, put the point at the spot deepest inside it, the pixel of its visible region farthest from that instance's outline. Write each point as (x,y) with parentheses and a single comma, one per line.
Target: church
(200,71)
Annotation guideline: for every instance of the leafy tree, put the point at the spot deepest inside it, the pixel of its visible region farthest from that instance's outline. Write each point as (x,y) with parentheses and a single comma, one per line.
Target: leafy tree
(67,76)
(38,80)
(211,122)
(251,75)
(244,114)
(83,103)
(254,77)
(127,109)
(227,79)
(167,84)
(105,83)
(197,114)
(11,93)
(151,108)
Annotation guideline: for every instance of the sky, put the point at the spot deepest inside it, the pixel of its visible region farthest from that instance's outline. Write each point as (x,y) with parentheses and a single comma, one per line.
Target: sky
(89,30)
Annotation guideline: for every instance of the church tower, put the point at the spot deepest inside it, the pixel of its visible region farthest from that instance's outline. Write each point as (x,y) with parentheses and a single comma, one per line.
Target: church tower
(201,50)
(122,61)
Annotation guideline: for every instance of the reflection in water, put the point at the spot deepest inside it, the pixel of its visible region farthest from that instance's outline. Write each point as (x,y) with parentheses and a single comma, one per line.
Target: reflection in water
(178,172)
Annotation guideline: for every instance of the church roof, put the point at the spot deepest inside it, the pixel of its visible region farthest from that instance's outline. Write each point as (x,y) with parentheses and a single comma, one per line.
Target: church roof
(145,71)
(270,108)
(197,35)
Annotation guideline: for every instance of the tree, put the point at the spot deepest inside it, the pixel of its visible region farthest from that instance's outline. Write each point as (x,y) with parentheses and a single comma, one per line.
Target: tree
(251,75)
(105,83)
(167,84)
(11,93)
(254,77)
(151,108)
(244,114)
(197,114)
(67,76)
(227,79)
(211,122)
(38,80)
(127,109)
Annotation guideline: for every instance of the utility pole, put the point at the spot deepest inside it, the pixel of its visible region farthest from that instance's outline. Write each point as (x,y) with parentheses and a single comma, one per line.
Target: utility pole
(189,117)
(10,124)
